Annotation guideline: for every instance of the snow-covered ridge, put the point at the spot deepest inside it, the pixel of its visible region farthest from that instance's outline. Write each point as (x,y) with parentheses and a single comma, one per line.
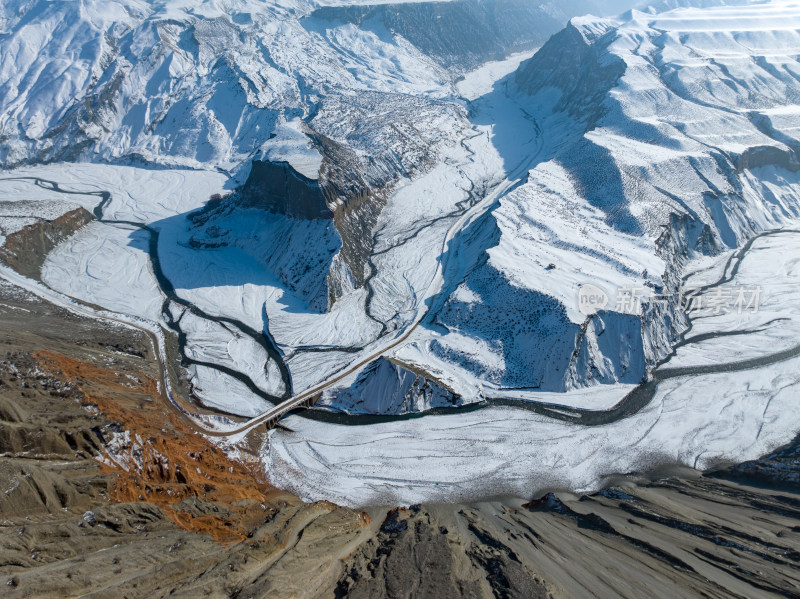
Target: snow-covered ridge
(203,83)
(678,138)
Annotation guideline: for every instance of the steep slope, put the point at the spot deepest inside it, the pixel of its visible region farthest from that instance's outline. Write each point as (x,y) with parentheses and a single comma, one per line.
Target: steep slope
(681,141)
(25,249)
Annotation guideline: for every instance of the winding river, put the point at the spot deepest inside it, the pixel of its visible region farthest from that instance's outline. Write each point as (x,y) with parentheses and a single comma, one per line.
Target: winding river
(632,403)
(264,339)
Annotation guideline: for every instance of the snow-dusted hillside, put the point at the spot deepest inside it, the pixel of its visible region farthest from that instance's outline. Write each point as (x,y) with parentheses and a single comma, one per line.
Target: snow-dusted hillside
(206,82)
(411,227)
(195,84)
(684,142)
(466,33)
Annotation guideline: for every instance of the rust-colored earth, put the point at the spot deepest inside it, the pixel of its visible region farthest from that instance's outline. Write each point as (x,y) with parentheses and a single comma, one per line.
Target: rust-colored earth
(166,462)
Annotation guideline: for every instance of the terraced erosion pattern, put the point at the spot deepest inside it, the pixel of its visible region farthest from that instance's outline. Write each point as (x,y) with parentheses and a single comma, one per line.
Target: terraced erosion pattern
(110,493)
(292,298)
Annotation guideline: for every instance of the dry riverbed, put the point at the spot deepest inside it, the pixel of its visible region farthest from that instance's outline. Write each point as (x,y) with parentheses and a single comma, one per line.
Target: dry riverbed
(105,491)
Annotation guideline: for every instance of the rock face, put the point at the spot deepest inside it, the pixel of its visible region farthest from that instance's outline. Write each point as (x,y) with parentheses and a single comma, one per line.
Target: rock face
(386,387)
(575,61)
(25,250)
(761,156)
(277,187)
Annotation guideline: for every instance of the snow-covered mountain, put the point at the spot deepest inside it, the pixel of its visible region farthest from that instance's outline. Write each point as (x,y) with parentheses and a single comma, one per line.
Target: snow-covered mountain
(353,93)
(205,83)
(679,138)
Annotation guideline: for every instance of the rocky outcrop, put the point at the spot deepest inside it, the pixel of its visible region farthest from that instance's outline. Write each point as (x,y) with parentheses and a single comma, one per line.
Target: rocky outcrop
(277,187)
(319,244)
(297,250)
(332,218)
(388,387)
(768,156)
(26,250)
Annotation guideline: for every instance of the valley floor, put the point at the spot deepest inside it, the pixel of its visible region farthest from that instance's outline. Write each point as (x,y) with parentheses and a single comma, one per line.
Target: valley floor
(99,501)
(528,444)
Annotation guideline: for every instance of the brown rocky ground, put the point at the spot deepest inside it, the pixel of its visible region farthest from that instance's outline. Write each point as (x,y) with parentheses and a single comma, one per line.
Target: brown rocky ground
(105,492)
(25,250)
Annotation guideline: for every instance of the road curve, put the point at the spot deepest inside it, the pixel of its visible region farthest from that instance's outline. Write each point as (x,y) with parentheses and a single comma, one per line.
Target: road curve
(303,399)
(309,396)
